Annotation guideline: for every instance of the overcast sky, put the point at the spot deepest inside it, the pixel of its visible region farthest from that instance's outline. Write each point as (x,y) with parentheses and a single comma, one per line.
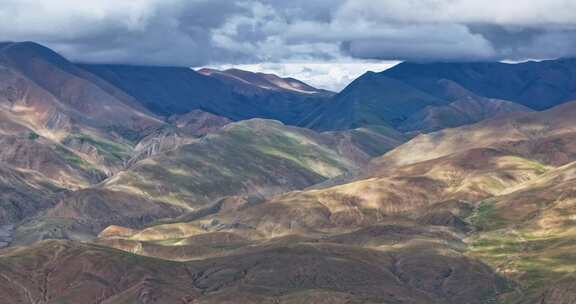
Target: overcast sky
(344,33)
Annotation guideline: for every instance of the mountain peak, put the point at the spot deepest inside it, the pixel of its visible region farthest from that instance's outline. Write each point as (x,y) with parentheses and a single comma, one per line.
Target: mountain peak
(258,82)
(18,52)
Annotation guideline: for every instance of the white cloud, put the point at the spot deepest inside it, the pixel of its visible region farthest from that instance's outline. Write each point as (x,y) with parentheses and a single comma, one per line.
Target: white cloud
(67,19)
(511,12)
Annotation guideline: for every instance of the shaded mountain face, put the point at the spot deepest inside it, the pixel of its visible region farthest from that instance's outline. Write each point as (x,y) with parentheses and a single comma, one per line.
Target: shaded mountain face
(370,100)
(237,95)
(170,90)
(467,108)
(537,85)
(408,92)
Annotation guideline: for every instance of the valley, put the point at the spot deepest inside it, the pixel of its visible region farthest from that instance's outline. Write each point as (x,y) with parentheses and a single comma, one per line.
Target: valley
(425,183)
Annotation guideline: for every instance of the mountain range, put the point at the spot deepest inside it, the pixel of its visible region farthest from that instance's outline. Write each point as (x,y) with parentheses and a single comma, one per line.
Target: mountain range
(437,92)
(425,183)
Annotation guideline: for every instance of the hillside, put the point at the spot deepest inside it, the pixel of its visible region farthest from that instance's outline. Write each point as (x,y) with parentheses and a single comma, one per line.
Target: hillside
(332,271)
(178,172)
(254,157)
(63,104)
(543,136)
(528,233)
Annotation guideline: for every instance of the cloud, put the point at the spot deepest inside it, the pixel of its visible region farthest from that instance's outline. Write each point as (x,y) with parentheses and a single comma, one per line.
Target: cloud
(201,32)
(459,29)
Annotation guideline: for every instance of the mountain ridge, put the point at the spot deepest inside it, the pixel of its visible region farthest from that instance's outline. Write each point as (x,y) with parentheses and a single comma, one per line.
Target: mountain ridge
(392,96)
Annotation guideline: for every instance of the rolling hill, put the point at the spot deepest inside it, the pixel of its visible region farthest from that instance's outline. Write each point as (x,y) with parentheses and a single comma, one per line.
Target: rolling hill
(543,136)
(331,271)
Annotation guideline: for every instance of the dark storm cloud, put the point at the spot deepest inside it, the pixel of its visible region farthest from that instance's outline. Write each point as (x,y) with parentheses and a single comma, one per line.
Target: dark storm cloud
(198,32)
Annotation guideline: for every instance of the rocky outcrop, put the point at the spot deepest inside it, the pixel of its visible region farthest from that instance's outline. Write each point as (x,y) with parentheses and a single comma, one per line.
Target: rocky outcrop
(184,129)
(159,141)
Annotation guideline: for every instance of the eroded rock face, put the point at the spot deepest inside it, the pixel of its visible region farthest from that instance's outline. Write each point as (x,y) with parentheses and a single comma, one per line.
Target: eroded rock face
(156,143)
(543,136)
(184,129)
(255,158)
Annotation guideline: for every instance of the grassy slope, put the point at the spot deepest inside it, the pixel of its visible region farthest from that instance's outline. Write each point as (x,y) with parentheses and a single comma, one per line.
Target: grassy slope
(529,235)
(254,157)
(528,240)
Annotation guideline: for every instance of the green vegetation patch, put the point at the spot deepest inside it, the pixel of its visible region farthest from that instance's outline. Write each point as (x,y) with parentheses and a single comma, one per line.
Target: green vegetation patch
(109,149)
(485,217)
(33,136)
(535,262)
(73,159)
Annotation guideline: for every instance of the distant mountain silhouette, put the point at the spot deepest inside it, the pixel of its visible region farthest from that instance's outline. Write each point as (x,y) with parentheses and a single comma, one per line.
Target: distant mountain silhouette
(177,90)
